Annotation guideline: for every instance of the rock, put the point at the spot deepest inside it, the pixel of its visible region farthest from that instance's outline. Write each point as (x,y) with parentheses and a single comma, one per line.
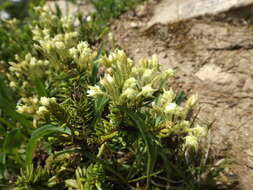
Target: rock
(248,85)
(214,73)
(169,11)
(141,10)
(133,25)
(68,8)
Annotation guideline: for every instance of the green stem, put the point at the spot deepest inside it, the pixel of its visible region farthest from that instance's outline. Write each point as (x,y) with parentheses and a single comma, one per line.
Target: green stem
(144,177)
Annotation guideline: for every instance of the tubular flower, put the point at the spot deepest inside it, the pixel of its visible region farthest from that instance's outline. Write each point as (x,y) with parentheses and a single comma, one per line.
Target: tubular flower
(191,142)
(199,131)
(130,83)
(42,111)
(47,101)
(171,108)
(147,91)
(192,101)
(94,91)
(130,93)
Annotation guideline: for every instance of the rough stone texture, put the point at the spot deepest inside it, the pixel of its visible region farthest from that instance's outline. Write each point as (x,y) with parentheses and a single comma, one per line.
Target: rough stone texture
(169,11)
(69,8)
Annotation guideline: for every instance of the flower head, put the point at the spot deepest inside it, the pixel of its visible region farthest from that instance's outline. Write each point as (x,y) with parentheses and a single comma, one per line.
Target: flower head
(192,101)
(199,131)
(94,91)
(147,75)
(24,109)
(171,108)
(167,97)
(130,83)
(42,110)
(47,101)
(130,93)
(147,91)
(109,78)
(191,142)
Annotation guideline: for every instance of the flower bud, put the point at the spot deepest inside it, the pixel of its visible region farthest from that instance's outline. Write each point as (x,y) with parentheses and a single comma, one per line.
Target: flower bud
(42,111)
(192,101)
(171,108)
(169,72)
(147,91)
(147,75)
(109,78)
(94,91)
(191,142)
(130,83)
(13,84)
(130,93)
(199,131)
(110,36)
(60,45)
(167,97)
(154,61)
(47,101)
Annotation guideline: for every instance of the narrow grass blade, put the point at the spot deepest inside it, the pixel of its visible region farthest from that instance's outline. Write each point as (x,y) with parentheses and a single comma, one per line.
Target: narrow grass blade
(36,135)
(40,87)
(96,65)
(151,148)
(108,168)
(10,145)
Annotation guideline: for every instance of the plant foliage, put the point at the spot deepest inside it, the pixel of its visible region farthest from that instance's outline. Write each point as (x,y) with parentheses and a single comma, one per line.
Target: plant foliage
(86,119)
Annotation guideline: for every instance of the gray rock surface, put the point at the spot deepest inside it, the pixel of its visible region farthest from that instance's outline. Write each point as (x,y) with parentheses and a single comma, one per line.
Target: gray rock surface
(169,11)
(69,8)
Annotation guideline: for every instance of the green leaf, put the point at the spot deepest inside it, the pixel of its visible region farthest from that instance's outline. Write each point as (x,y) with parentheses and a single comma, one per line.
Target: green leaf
(11,112)
(6,123)
(71,183)
(108,167)
(66,151)
(2,164)
(96,65)
(40,87)
(5,91)
(100,103)
(12,141)
(58,10)
(7,104)
(147,137)
(36,135)
(180,98)
(2,130)
(5,5)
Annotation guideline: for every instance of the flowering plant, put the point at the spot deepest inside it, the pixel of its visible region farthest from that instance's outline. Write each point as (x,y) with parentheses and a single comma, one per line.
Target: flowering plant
(92,120)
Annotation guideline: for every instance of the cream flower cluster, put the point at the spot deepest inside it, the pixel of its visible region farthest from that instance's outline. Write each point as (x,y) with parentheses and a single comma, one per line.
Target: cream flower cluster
(166,104)
(57,48)
(34,106)
(28,105)
(45,104)
(127,83)
(24,69)
(46,19)
(83,55)
(54,35)
(24,66)
(175,118)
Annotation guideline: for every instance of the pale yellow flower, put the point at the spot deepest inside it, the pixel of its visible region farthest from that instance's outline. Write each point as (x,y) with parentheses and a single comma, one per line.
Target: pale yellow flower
(45,101)
(191,142)
(94,91)
(147,91)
